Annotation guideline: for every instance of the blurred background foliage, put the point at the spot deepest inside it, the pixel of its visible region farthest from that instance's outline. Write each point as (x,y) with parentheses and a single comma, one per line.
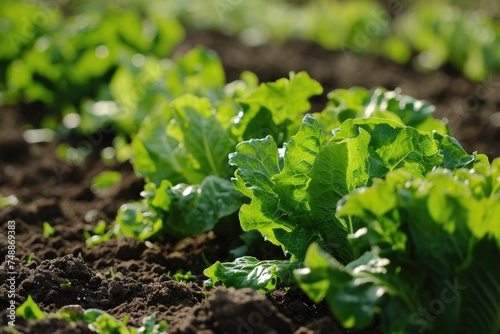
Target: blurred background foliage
(106,60)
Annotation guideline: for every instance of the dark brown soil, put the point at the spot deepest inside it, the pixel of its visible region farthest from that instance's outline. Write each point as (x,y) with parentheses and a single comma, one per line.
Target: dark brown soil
(129,277)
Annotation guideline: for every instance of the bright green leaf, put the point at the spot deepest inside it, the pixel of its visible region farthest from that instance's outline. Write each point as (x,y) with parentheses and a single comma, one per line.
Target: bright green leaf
(29,310)
(248,271)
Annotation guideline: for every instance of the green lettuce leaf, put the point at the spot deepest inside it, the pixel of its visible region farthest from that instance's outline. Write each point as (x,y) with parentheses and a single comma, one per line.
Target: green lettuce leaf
(358,102)
(179,210)
(439,239)
(188,142)
(277,108)
(183,143)
(294,198)
(247,271)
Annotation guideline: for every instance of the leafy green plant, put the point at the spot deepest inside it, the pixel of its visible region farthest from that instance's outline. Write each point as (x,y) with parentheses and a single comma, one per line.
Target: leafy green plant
(362,150)
(99,234)
(98,321)
(48,231)
(294,193)
(182,277)
(65,60)
(433,243)
(182,151)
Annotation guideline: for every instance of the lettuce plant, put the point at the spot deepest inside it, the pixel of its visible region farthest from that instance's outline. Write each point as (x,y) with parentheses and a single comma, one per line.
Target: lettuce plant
(294,191)
(298,204)
(433,246)
(182,151)
(62,61)
(141,85)
(359,102)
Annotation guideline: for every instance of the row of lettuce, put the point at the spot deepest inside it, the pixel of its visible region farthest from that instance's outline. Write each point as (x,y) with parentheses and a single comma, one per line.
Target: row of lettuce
(464,34)
(376,206)
(69,54)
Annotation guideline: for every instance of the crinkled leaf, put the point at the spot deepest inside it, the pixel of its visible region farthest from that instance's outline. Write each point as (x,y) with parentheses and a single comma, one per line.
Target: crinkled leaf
(297,204)
(159,154)
(358,102)
(204,137)
(292,181)
(362,150)
(183,144)
(257,161)
(197,208)
(355,292)
(433,230)
(281,104)
(248,271)
(454,156)
(179,210)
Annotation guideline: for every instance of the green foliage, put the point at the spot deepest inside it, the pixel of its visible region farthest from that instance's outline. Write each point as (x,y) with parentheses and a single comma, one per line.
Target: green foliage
(29,310)
(248,271)
(61,61)
(48,231)
(467,36)
(179,210)
(98,321)
(358,102)
(443,34)
(183,149)
(209,131)
(434,242)
(294,191)
(107,53)
(294,195)
(105,179)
